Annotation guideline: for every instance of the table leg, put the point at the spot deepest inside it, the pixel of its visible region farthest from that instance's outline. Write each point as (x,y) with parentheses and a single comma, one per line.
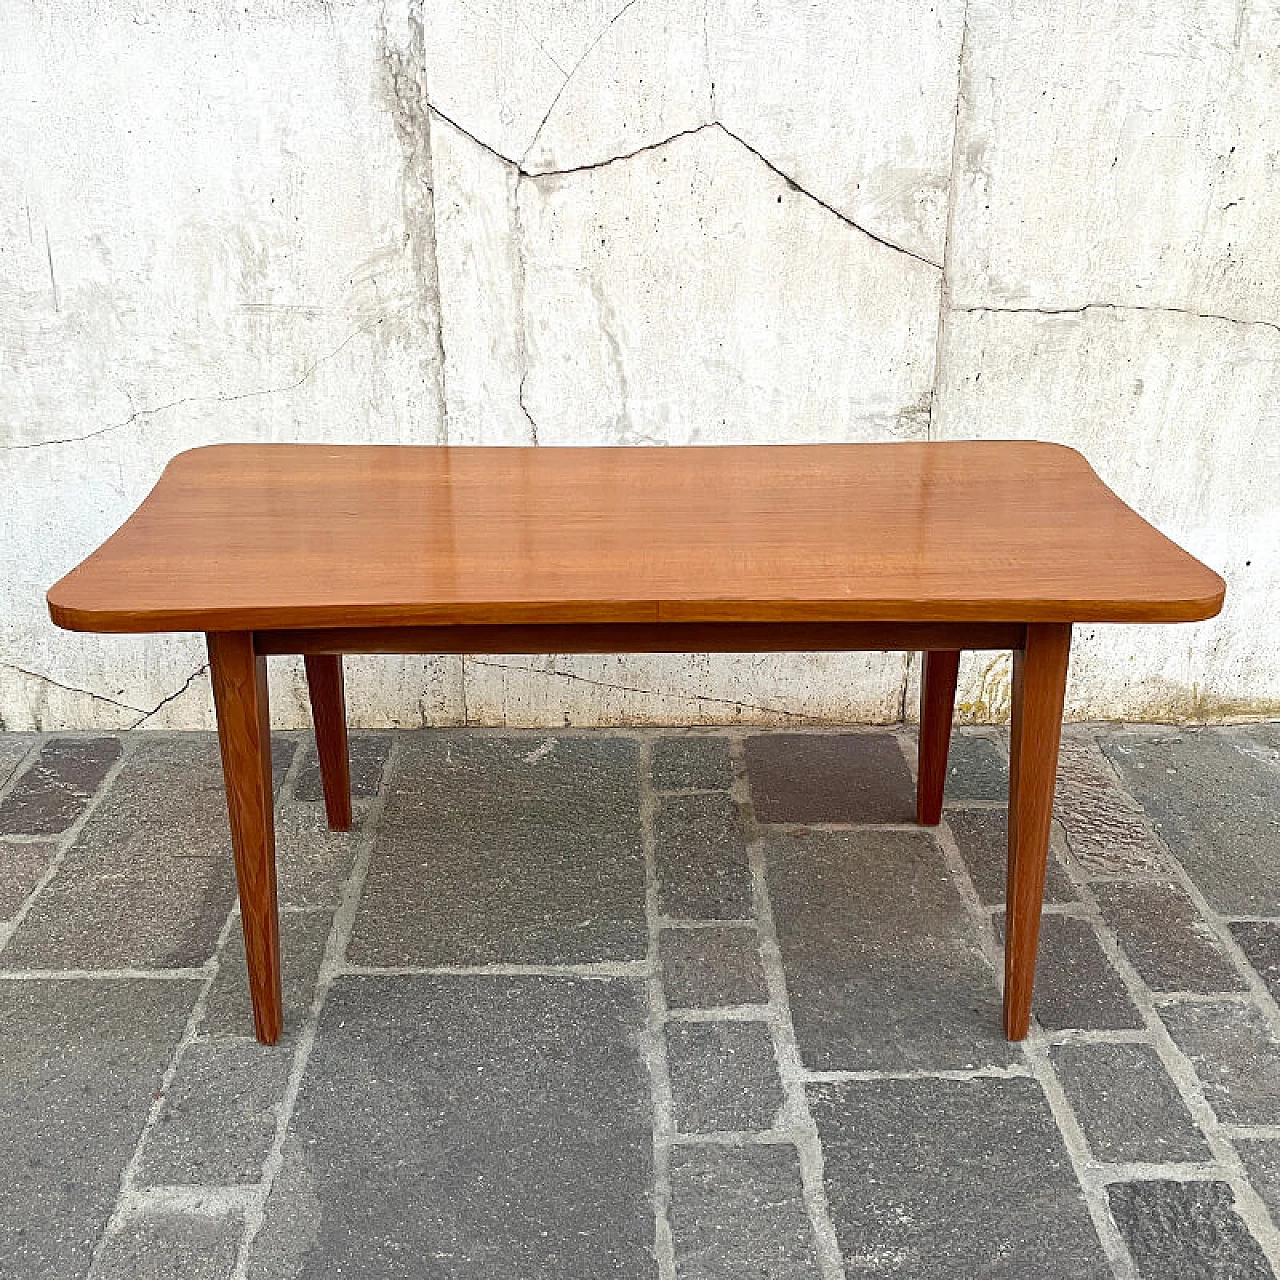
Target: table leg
(937,706)
(244,733)
(329,715)
(1039,685)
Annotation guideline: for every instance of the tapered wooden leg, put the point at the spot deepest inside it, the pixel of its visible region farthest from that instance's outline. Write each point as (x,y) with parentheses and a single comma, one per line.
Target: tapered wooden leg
(1039,684)
(937,706)
(329,715)
(244,732)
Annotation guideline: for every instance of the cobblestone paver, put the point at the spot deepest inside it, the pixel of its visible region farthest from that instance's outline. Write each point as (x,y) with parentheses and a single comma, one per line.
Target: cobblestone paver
(659,1005)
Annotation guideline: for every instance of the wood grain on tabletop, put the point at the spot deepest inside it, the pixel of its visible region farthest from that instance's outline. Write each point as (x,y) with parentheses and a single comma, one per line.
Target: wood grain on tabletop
(248,537)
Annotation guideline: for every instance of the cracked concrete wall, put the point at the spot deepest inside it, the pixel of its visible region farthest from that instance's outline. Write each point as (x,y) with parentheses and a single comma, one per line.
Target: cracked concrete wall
(640,221)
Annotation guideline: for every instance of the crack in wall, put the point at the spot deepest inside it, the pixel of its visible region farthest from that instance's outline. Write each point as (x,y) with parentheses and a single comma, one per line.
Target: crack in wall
(522,315)
(177,693)
(698,698)
(1121,306)
(217,397)
(539,175)
(533,426)
(71,688)
(586,53)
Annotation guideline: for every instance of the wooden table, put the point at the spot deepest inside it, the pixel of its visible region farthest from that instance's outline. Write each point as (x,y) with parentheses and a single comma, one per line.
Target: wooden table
(324,550)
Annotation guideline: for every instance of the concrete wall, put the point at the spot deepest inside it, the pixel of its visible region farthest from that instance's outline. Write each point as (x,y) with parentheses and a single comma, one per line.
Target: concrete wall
(641,221)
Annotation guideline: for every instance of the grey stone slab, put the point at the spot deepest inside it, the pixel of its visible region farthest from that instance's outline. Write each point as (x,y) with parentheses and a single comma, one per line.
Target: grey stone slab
(21,866)
(282,753)
(367,755)
(1127,1104)
(497,1127)
(1261,1160)
(1106,829)
(218,1120)
(723,1076)
(739,1212)
(829,777)
(1076,985)
(982,836)
(695,763)
(1188,1230)
(936,1179)
(55,788)
(13,750)
(1260,942)
(706,967)
(82,1061)
(883,965)
(1235,1055)
(700,852)
(976,770)
(228,1011)
(1165,938)
(312,862)
(172,1246)
(150,879)
(1216,807)
(497,849)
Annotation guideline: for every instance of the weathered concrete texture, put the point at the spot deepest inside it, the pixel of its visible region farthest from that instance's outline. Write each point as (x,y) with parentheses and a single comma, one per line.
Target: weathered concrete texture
(478,1121)
(739,1211)
(1126,1104)
(82,1060)
(507,849)
(172,1246)
(607,690)
(702,968)
(1186,1229)
(764,276)
(777,85)
(856,777)
(1216,807)
(883,965)
(644,79)
(53,791)
(649,221)
(277,285)
(150,879)
(723,1076)
(1148,108)
(700,854)
(1165,938)
(1122,386)
(932,1179)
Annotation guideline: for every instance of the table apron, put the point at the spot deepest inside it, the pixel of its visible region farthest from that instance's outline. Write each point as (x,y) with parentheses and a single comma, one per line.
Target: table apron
(647,637)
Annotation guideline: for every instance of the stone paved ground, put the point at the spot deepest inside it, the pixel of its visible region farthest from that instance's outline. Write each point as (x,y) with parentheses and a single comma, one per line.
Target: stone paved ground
(641,1004)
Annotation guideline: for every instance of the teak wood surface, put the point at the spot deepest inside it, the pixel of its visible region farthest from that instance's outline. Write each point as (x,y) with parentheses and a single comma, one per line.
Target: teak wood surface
(324,550)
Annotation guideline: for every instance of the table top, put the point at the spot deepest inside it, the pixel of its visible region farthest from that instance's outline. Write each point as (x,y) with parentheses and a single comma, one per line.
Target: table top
(264,537)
